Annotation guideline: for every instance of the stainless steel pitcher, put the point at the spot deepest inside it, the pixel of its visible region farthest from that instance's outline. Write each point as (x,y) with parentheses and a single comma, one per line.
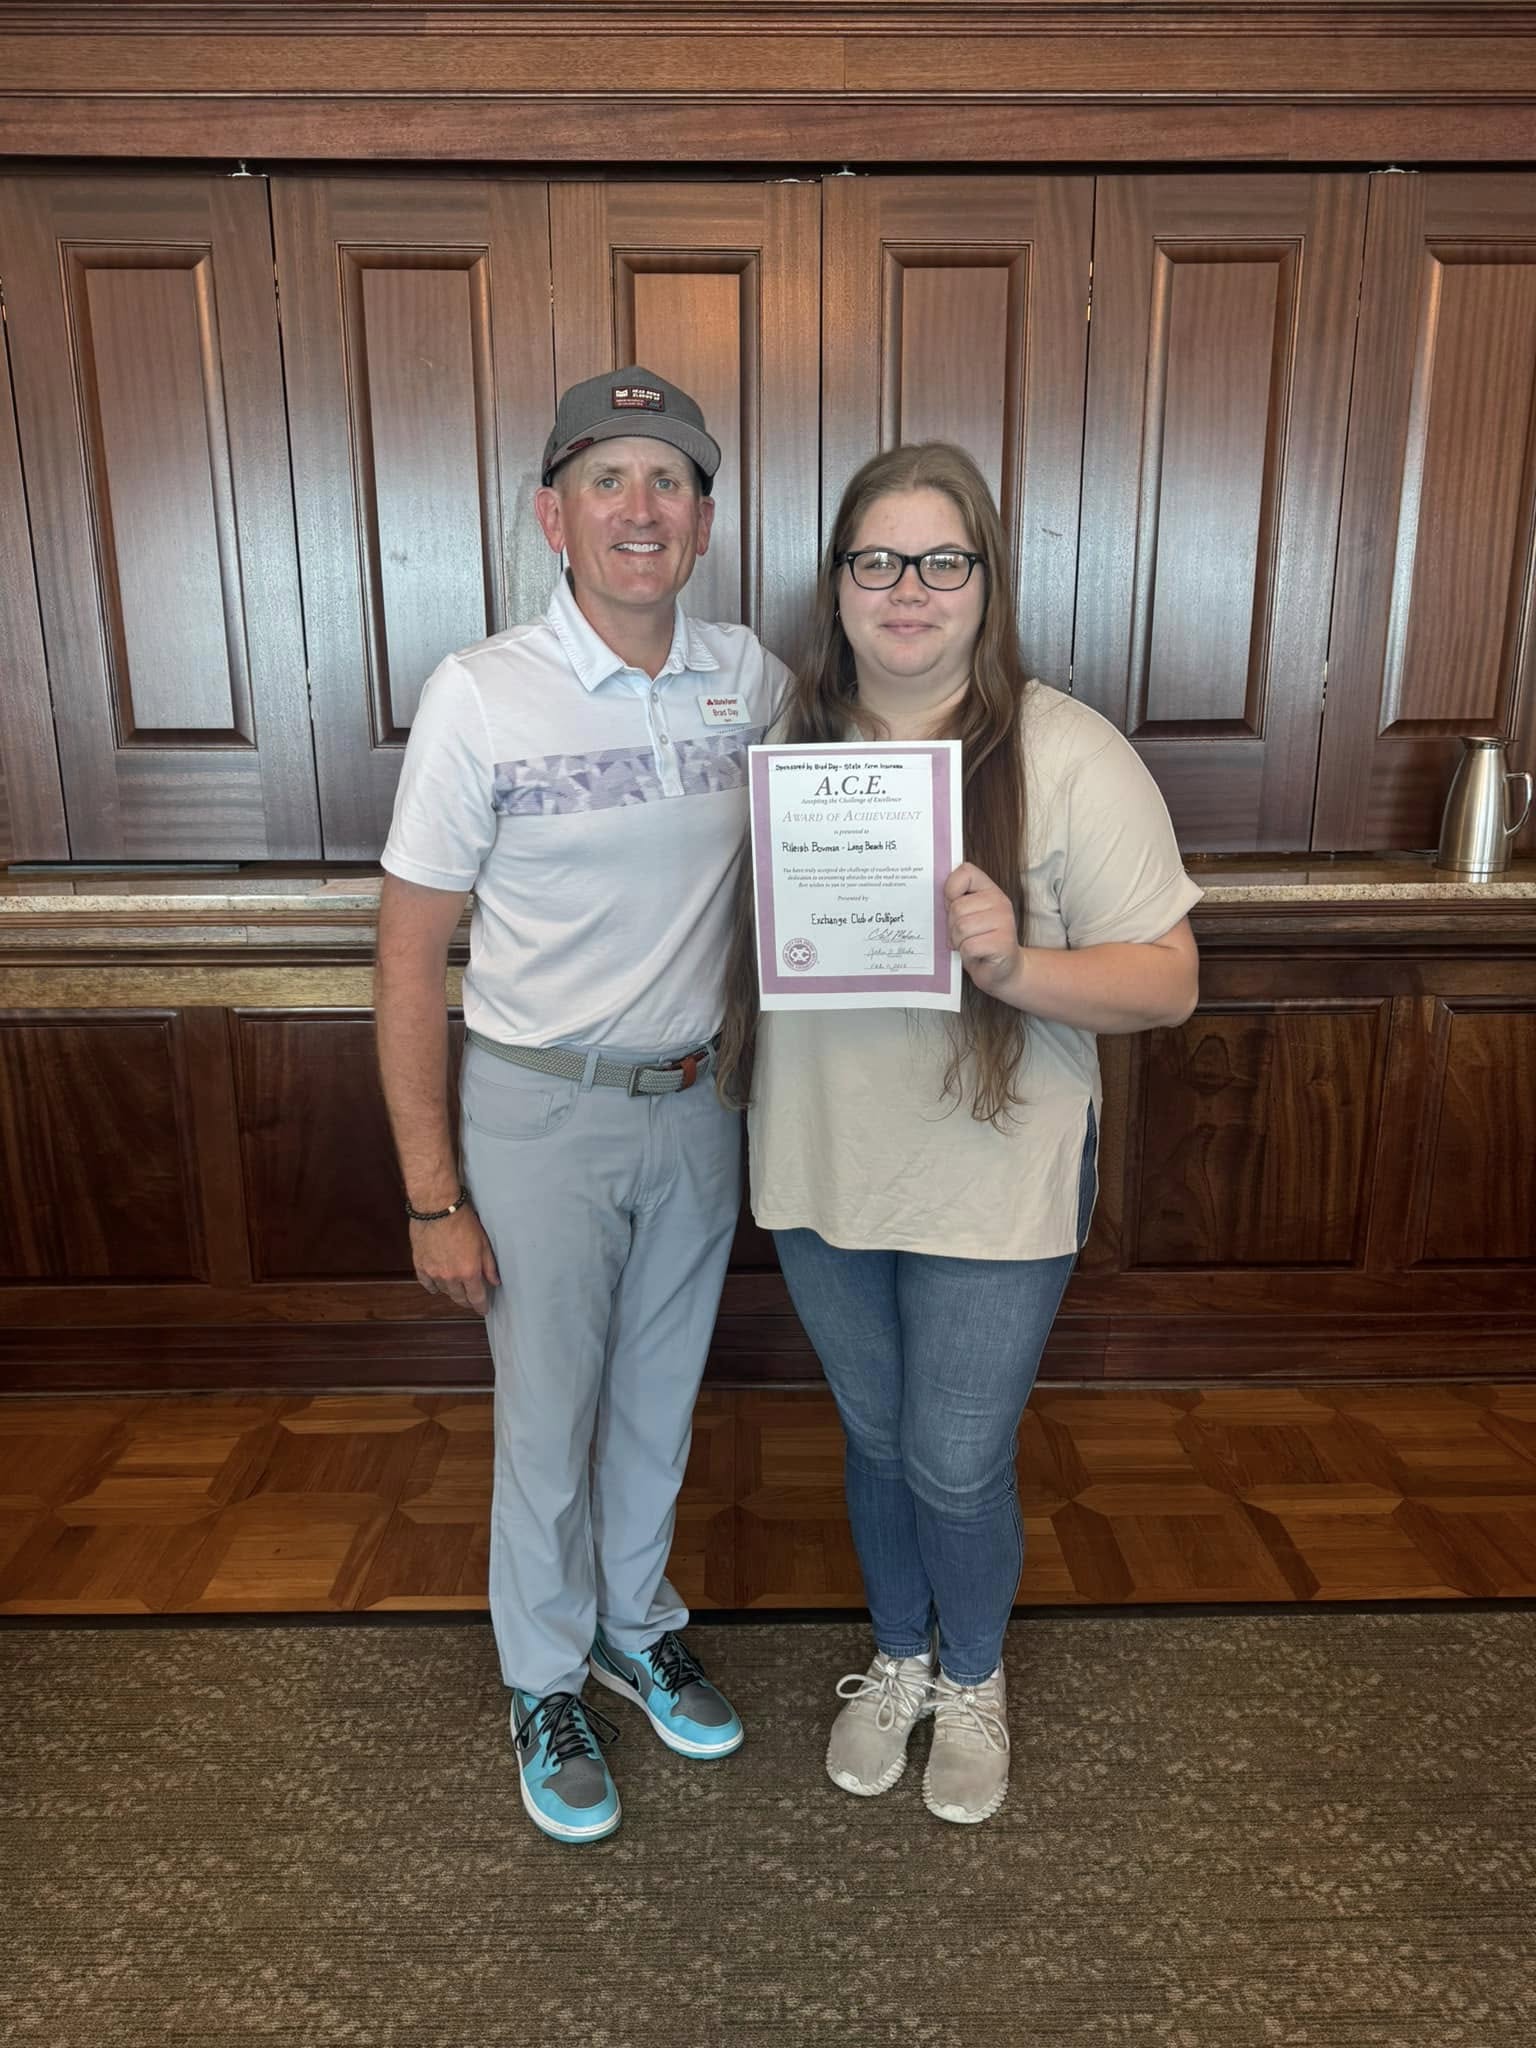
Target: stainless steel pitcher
(1475,832)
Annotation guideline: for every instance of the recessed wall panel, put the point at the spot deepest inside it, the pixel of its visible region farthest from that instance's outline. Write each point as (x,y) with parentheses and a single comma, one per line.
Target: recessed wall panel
(157,447)
(696,326)
(1257,1135)
(419,353)
(955,328)
(1218,362)
(95,1127)
(1465,537)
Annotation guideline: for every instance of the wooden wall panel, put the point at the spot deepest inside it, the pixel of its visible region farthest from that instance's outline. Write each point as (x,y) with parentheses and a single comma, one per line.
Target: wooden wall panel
(1435,606)
(775,81)
(1476,1194)
(1223,322)
(1257,1137)
(715,288)
(416,326)
(957,309)
(143,330)
(97,1158)
(322,1187)
(31,800)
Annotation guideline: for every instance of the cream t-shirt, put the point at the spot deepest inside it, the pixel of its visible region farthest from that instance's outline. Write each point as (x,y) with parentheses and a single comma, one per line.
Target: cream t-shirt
(850,1134)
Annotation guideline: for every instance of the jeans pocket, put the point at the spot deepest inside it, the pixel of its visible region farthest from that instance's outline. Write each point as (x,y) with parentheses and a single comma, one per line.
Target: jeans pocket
(1088,1179)
(519,1104)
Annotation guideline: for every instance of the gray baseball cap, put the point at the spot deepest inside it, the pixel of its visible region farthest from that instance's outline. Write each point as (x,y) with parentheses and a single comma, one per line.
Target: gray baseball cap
(633,400)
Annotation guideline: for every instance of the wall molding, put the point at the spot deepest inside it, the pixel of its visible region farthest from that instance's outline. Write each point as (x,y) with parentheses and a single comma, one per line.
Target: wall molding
(789,83)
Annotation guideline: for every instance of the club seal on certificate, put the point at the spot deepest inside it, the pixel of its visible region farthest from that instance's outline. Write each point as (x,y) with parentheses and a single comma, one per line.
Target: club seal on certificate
(851,847)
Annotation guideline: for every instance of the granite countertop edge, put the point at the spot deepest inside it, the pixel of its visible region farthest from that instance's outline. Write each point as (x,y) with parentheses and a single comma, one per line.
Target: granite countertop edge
(347,899)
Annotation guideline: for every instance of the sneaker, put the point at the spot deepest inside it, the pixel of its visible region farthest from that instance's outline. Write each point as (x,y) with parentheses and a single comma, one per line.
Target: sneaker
(868,1749)
(967,1775)
(668,1683)
(565,1783)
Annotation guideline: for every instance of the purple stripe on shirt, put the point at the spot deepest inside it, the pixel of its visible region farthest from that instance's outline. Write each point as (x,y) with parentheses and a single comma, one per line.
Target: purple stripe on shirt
(553,785)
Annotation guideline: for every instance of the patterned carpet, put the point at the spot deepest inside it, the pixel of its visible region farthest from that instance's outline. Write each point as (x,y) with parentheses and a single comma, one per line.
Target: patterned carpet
(1254,1831)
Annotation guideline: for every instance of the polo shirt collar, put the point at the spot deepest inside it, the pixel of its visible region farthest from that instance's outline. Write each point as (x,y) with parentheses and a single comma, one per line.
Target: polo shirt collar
(594,661)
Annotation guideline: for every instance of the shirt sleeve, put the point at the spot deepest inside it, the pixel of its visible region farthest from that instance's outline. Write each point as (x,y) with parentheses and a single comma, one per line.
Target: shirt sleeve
(445,821)
(1122,877)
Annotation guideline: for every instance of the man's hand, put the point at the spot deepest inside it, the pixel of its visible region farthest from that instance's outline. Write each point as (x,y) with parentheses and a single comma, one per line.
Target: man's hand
(982,928)
(453,1257)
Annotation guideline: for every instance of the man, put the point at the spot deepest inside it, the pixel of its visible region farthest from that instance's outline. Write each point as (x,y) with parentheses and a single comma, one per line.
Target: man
(584,777)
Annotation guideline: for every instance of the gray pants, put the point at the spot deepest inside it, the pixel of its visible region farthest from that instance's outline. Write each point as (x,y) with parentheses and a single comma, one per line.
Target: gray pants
(611,1217)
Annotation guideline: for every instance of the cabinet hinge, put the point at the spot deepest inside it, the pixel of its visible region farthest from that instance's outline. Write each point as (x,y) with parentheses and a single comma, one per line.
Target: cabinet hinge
(1088,316)
(1325,683)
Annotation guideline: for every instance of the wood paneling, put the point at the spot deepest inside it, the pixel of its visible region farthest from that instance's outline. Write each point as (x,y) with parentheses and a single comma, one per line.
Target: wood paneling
(143,330)
(281,1504)
(322,1187)
(96,1151)
(957,309)
(714,81)
(1435,605)
(1223,326)
(31,801)
(1476,1188)
(715,288)
(416,330)
(1256,1137)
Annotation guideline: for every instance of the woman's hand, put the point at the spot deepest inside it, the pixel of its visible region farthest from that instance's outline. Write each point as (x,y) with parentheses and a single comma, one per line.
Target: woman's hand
(982,928)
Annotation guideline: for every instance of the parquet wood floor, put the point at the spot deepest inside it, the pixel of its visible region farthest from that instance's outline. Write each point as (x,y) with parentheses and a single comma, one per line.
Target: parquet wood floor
(205,1504)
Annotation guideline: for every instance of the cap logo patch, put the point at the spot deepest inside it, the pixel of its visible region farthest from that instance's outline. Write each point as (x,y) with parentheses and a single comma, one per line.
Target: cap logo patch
(637,398)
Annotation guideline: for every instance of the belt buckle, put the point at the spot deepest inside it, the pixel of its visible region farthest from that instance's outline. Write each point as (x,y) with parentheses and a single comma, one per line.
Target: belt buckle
(687,1066)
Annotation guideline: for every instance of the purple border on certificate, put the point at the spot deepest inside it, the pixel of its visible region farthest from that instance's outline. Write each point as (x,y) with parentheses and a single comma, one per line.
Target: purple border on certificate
(773,979)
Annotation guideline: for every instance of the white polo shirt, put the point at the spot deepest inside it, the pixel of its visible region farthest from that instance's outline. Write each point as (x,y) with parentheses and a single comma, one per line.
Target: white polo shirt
(596,815)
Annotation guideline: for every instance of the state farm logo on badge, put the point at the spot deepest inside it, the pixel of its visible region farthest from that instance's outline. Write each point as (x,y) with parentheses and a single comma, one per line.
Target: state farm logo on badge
(799,955)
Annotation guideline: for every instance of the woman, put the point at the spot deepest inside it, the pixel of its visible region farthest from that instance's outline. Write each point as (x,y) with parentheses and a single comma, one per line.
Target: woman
(929,1178)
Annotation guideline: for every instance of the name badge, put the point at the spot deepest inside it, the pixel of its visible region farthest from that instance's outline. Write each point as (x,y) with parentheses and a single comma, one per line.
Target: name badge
(724,710)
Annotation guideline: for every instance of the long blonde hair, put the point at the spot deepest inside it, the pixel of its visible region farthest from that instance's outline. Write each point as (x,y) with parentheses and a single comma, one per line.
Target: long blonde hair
(987,1036)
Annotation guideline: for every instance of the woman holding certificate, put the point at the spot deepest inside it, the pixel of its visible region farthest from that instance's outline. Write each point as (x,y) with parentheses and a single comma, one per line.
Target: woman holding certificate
(926,1161)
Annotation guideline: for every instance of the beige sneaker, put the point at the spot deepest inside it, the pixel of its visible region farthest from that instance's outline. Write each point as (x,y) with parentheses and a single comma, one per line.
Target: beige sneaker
(967,1775)
(868,1749)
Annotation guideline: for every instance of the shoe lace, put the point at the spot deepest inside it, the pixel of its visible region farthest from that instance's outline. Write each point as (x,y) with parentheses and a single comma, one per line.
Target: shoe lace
(959,1704)
(891,1691)
(567,1726)
(674,1665)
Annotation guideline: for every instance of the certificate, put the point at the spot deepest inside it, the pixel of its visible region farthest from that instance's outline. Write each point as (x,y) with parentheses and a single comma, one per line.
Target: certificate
(851,848)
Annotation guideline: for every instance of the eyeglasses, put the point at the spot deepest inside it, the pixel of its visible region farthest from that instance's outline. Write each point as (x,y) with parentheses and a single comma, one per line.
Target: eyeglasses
(883,568)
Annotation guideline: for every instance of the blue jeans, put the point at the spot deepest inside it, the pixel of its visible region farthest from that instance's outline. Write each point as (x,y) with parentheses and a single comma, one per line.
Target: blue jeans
(931,1361)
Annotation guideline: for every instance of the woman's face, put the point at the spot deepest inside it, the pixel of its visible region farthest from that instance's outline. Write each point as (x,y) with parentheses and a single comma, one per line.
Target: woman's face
(910,641)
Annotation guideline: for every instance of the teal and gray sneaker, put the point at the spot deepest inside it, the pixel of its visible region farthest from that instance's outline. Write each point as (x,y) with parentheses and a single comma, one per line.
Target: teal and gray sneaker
(566,1787)
(667,1682)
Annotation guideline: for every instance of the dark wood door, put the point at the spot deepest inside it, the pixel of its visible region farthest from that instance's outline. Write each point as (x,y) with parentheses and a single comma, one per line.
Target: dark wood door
(143,329)
(955,309)
(714,288)
(31,801)
(416,333)
(1435,609)
(1218,394)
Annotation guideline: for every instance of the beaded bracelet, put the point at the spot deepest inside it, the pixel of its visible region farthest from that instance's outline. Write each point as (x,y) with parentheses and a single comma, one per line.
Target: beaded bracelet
(437,1215)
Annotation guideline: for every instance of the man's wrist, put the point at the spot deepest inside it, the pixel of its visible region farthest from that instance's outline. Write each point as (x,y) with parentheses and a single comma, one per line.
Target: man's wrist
(439,1205)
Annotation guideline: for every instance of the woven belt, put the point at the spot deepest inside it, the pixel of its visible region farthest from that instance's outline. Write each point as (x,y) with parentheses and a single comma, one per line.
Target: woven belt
(665,1077)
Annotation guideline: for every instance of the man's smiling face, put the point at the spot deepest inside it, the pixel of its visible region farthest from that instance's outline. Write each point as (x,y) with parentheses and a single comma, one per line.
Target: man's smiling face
(630,517)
